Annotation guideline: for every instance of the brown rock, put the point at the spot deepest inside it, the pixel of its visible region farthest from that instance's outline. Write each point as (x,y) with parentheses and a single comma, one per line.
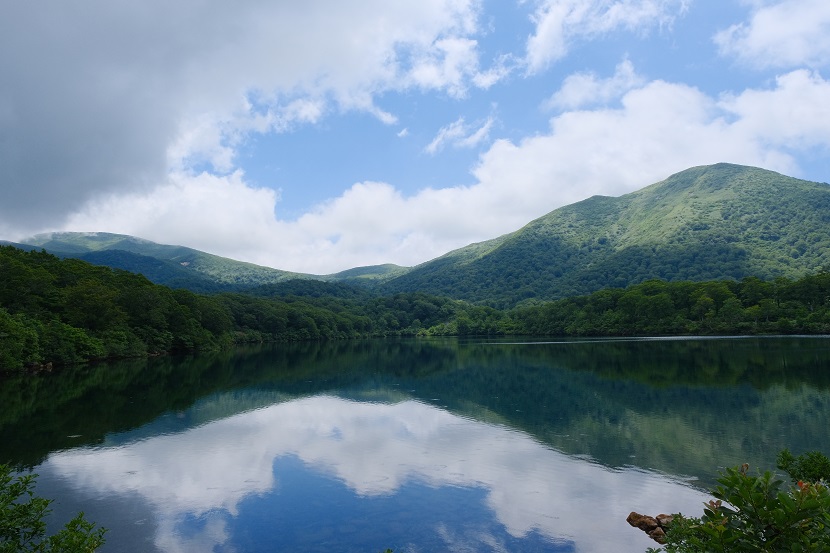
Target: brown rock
(658,535)
(643,522)
(664,520)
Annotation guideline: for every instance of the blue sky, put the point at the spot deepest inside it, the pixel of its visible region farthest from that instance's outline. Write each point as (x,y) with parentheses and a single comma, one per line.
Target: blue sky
(324,135)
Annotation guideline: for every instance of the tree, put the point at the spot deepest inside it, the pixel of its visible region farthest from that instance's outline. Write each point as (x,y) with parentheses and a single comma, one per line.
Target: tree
(18,342)
(731,313)
(811,466)
(22,524)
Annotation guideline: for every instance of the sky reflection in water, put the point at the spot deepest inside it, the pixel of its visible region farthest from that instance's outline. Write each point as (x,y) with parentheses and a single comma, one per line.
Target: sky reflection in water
(329,474)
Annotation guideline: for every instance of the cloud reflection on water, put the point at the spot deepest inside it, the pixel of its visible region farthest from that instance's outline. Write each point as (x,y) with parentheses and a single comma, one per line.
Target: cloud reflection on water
(205,472)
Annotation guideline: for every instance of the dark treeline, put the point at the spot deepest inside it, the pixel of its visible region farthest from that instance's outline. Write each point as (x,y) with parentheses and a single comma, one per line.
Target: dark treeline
(655,307)
(64,311)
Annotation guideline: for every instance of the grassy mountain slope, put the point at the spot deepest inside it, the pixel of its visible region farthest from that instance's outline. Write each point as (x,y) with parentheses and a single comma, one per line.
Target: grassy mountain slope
(24,247)
(705,223)
(175,266)
(159,271)
(370,274)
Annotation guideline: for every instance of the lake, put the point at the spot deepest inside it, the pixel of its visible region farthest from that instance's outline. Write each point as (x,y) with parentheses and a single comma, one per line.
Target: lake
(412,444)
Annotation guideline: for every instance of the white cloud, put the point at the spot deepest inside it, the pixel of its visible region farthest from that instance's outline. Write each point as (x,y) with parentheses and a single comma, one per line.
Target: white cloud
(560,23)
(110,97)
(794,115)
(500,70)
(657,129)
(789,33)
(584,89)
(460,135)
(450,64)
(451,132)
(481,134)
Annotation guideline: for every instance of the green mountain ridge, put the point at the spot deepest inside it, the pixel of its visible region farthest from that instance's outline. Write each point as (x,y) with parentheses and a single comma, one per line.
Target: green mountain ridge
(159,271)
(183,267)
(175,266)
(713,222)
(705,223)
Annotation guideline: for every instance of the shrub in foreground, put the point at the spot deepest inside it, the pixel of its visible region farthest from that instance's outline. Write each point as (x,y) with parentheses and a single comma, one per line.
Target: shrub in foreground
(760,513)
(23,526)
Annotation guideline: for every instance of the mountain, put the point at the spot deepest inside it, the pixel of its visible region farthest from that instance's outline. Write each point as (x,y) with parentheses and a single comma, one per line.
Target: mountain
(712,222)
(174,266)
(705,223)
(181,267)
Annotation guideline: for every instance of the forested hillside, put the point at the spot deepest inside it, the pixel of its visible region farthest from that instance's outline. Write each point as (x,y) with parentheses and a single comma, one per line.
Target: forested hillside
(61,311)
(706,223)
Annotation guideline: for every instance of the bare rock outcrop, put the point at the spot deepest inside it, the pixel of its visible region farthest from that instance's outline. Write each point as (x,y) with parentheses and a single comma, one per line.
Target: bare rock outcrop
(655,527)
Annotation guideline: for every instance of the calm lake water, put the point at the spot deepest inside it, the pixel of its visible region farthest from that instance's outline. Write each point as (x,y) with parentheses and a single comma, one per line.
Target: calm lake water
(417,445)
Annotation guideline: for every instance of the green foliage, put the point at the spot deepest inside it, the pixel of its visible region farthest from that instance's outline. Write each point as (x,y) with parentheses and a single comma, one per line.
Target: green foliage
(23,526)
(63,343)
(657,307)
(18,341)
(757,514)
(811,466)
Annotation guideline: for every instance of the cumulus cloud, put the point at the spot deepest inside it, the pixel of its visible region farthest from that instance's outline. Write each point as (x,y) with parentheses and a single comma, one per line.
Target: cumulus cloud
(788,33)
(109,97)
(584,89)
(792,115)
(450,63)
(560,23)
